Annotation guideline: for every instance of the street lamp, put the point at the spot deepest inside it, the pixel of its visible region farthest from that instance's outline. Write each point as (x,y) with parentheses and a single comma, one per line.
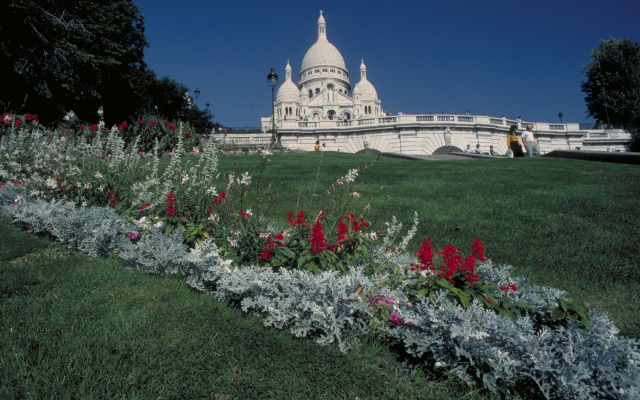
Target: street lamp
(560,116)
(273,82)
(208,107)
(197,92)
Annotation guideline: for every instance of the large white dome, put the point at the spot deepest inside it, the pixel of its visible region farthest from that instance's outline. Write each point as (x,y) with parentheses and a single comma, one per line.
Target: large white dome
(322,52)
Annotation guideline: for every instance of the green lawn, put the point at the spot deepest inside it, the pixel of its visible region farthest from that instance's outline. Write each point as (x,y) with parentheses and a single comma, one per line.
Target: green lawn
(569,224)
(76,327)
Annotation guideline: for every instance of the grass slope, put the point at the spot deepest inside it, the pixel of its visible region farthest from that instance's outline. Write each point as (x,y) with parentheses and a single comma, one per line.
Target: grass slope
(569,224)
(76,327)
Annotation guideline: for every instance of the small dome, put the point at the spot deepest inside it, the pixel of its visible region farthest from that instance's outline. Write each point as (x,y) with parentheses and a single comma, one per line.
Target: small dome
(364,87)
(288,91)
(322,52)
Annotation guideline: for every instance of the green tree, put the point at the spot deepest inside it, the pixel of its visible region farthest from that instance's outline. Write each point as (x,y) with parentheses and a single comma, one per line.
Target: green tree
(79,55)
(171,100)
(612,85)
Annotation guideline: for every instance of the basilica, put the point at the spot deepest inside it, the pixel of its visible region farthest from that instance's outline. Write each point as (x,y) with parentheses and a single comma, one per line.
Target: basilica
(323,91)
(322,107)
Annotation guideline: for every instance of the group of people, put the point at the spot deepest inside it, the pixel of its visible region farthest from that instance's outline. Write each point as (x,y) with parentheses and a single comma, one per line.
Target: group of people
(317,146)
(513,144)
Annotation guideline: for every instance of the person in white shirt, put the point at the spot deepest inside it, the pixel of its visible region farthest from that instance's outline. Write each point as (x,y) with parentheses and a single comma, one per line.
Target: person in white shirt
(611,148)
(477,150)
(324,146)
(468,149)
(529,142)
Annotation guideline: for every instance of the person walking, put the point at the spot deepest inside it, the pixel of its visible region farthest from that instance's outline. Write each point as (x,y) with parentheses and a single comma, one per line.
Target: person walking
(530,143)
(513,143)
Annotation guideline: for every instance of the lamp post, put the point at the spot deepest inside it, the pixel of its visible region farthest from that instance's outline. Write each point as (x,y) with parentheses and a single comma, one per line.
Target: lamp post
(273,82)
(197,92)
(207,107)
(560,116)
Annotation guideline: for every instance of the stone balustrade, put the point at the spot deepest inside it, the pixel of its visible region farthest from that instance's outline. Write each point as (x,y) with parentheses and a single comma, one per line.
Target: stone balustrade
(424,134)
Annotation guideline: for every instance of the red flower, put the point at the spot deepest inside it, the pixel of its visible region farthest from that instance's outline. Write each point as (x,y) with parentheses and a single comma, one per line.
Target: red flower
(425,255)
(165,122)
(120,127)
(142,121)
(317,239)
(356,226)
(171,205)
(503,288)
(81,127)
(145,205)
(153,122)
(299,219)
(124,123)
(113,198)
(363,224)
(342,229)
(349,216)
(490,302)
(512,287)
(220,198)
(172,127)
(452,261)
(280,238)
(269,249)
(477,249)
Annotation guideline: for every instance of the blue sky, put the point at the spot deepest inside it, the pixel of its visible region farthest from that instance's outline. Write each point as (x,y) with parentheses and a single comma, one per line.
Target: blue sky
(517,58)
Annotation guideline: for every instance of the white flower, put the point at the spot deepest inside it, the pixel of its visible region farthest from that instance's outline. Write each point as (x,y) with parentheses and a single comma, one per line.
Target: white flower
(83,204)
(69,116)
(51,183)
(355,194)
(214,217)
(246,179)
(185,179)
(212,191)
(232,242)
(87,185)
(98,175)
(264,235)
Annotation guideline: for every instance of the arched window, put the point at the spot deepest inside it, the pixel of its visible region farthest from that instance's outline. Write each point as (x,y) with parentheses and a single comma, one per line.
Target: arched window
(310,93)
(317,90)
(330,86)
(331,114)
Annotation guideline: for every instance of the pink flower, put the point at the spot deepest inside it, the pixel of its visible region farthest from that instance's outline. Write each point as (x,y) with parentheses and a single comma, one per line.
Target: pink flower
(16,204)
(394,317)
(133,235)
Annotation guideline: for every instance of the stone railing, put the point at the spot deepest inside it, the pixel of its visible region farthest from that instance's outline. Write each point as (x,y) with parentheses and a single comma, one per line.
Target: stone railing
(437,120)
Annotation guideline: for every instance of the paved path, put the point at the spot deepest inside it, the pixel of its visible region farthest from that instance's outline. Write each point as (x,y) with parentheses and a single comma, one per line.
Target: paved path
(436,157)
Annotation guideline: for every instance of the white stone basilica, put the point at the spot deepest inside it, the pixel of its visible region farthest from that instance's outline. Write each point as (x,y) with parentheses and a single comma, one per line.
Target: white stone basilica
(324,91)
(323,107)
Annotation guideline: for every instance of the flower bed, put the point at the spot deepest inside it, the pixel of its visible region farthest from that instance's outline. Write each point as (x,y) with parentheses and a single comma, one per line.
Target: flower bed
(572,363)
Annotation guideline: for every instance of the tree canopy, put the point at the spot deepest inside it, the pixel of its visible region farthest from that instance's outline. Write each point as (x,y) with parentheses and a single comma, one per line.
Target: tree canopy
(79,55)
(612,83)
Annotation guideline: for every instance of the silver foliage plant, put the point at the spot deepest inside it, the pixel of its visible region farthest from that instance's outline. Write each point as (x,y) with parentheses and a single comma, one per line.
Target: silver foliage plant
(574,363)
